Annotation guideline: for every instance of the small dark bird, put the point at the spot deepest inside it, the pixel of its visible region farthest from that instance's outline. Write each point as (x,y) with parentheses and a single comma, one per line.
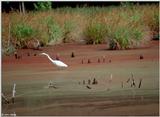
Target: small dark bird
(88,87)
(89,61)
(72,55)
(110,61)
(141,57)
(35,54)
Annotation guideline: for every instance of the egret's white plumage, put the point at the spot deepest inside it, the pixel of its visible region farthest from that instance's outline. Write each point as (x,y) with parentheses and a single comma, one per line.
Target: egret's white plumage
(58,63)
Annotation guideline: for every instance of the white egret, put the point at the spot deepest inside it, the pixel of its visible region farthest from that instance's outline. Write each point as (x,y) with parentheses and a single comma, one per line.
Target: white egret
(58,63)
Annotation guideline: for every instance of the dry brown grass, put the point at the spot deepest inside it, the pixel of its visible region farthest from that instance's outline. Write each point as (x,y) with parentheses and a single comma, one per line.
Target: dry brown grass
(137,17)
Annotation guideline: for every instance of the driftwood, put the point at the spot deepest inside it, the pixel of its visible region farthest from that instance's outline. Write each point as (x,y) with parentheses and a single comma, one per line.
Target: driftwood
(128,80)
(95,81)
(88,87)
(122,84)
(140,83)
(12,99)
(6,101)
(110,80)
(89,81)
(13,93)
(50,85)
(133,82)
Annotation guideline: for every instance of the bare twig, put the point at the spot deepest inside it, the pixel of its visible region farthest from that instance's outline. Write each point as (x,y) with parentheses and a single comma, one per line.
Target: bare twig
(13,93)
(88,87)
(140,82)
(122,84)
(5,98)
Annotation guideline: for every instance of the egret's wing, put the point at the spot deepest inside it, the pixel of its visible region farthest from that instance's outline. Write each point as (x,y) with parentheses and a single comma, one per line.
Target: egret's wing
(60,63)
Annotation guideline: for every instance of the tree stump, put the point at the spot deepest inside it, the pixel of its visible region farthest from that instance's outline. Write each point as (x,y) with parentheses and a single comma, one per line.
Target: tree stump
(99,60)
(89,61)
(72,55)
(141,57)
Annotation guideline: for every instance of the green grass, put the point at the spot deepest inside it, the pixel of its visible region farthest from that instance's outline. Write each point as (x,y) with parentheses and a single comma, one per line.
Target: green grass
(22,32)
(53,29)
(68,28)
(95,33)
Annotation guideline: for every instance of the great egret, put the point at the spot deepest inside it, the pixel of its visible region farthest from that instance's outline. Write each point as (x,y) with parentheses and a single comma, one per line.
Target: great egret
(58,63)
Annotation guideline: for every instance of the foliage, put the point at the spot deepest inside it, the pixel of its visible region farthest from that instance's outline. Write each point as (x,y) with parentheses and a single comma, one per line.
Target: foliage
(22,32)
(155,22)
(43,6)
(123,26)
(95,33)
(54,30)
(68,29)
(123,38)
(151,17)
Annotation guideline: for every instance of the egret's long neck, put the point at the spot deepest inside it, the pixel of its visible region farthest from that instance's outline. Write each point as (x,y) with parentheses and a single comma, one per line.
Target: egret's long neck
(49,58)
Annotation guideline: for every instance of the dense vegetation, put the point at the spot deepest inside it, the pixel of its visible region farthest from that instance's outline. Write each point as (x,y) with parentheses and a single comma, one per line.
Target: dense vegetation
(121,27)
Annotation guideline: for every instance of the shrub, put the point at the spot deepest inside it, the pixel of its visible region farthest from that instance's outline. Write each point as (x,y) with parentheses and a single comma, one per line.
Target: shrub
(68,29)
(155,24)
(95,33)
(127,32)
(125,37)
(55,32)
(22,32)
(151,17)
(43,6)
